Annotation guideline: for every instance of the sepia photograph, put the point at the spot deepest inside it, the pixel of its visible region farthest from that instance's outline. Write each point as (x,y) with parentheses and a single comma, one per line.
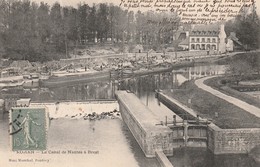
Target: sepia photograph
(130,83)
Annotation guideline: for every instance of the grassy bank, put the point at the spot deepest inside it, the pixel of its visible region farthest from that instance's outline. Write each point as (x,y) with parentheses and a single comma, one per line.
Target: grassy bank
(216,83)
(207,105)
(255,154)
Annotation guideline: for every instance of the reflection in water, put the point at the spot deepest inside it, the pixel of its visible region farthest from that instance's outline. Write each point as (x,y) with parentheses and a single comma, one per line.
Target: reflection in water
(101,90)
(79,92)
(202,71)
(106,89)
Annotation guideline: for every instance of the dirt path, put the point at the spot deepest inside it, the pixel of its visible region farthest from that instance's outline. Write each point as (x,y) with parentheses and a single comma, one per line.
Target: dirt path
(239,103)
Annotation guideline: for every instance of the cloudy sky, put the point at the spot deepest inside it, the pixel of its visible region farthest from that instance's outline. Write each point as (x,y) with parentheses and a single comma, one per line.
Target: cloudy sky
(90,2)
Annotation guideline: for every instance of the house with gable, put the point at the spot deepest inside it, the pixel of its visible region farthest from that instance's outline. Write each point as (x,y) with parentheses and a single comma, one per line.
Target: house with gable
(207,37)
(233,43)
(210,37)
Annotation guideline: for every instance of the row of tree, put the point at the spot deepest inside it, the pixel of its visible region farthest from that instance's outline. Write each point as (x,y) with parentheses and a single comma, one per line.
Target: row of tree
(39,32)
(36,32)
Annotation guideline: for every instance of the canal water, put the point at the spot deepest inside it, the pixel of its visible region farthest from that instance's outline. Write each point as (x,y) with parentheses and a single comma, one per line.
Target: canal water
(111,137)
(106,142)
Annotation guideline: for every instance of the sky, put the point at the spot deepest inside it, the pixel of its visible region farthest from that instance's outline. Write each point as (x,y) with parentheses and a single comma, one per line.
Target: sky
(90,2)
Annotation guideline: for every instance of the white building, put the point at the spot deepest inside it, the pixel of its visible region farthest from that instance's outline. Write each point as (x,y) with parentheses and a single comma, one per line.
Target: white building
(210,37)
(207,37)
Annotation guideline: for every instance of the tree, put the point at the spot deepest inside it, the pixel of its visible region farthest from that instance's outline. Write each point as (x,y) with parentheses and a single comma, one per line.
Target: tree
(253,59)
(42,32)
(120,24)
(44,22)
(102,22)
(139,27)
(111,19)
(72,22)
(239,69)
(57,28)
(4,14)
(247,29)
(92,23)
(20,38)
(83,29)
(130,26)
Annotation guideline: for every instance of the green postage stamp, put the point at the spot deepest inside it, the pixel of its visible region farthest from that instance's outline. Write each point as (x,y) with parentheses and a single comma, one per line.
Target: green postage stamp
(28,129)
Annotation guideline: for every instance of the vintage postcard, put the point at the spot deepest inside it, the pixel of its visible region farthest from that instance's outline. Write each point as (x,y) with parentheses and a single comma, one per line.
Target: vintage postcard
(130,83)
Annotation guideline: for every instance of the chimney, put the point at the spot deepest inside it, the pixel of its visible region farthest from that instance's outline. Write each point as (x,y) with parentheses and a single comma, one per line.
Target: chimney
(222,39)
(222,27)
(187,34)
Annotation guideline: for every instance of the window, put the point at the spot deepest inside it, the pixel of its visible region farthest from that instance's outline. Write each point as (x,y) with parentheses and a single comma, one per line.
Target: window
(192,47)
(214,40)
(197,47)
(203,39)
(208,46)
(203,46)
(214,47)
(198,40)
(192,40)
(208,40)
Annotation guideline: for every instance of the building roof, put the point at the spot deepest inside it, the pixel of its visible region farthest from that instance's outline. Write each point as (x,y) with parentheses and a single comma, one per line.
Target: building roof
(233,37)
(22,102)
(184,42)
(205,30)
(181,32)
(137,47)
(182,36)
(151,51)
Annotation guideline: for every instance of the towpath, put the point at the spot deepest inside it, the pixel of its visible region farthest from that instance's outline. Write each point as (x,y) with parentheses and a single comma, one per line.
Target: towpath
(239,103)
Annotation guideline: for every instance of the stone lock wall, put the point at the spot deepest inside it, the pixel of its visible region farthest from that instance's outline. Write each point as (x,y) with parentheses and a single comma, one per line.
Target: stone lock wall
(224,141)
(150,136)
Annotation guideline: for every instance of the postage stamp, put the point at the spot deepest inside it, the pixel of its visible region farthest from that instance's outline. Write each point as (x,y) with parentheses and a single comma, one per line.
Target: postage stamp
(28,129)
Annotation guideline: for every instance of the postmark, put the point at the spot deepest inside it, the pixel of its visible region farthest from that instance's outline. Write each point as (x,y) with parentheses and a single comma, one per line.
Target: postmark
(28,129)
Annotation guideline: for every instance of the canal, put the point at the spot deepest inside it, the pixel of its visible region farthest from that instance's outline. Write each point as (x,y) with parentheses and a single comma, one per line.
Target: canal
(111,137)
